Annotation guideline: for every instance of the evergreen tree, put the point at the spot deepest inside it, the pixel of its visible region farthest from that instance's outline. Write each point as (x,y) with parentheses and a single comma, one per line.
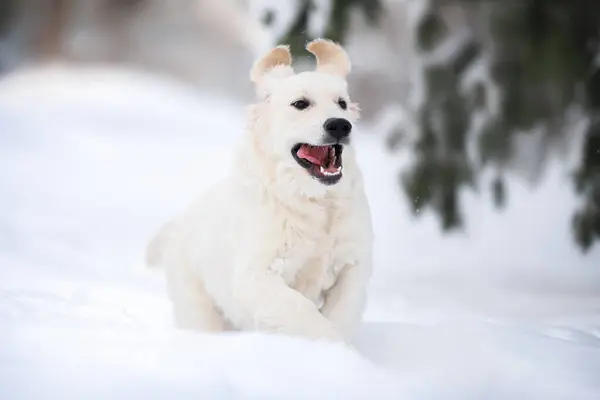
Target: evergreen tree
(336,28)
(544,60)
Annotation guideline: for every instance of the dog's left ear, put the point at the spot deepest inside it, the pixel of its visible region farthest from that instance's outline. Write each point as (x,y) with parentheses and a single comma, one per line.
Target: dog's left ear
(272,66)
(331,57)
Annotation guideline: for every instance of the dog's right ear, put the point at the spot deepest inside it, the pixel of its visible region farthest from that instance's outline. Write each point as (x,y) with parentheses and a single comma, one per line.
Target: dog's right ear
(331,57)
(274,65)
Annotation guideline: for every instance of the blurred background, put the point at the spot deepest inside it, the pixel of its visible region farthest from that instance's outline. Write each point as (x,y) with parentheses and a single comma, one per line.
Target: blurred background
(459,87)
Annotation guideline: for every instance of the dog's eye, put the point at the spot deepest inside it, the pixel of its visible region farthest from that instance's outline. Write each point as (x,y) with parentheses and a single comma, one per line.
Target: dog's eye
(342,103)
(301,104)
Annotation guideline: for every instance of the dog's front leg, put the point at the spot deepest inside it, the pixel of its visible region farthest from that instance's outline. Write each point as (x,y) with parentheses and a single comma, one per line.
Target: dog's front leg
(264,302)
(345,301)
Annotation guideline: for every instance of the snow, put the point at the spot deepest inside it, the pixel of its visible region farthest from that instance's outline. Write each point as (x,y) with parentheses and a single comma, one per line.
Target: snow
(93,160)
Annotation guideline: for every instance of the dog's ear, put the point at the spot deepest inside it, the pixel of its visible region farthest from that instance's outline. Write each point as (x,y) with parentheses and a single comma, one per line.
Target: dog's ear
(331,57)
(273,65)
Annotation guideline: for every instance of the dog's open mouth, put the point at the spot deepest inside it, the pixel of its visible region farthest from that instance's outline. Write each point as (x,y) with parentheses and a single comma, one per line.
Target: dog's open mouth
(324,163)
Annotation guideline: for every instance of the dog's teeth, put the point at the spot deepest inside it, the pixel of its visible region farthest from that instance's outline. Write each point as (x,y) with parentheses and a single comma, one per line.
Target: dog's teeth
(327,173)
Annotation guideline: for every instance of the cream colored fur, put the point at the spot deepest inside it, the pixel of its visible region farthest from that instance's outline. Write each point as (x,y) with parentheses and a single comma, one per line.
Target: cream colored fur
(270,248)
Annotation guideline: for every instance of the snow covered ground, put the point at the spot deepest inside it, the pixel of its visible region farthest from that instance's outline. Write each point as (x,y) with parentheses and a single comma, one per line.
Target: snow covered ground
(92,161)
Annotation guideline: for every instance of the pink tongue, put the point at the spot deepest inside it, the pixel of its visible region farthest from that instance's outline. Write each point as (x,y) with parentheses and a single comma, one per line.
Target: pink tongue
(315,155)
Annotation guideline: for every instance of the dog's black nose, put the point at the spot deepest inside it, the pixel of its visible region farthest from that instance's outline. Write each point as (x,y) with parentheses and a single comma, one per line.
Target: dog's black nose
(339,128)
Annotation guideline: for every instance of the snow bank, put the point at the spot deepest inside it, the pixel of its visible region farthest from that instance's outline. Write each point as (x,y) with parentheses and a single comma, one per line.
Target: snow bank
(92,161)
(81,361)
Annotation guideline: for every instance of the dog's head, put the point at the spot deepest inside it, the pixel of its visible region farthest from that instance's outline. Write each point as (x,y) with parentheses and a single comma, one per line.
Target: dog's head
(307,118)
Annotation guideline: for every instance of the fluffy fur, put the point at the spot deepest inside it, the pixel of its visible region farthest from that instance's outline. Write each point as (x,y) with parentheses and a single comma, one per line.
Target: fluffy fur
(270,248)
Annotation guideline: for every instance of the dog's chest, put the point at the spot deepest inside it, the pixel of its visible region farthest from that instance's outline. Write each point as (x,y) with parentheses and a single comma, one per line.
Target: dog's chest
(315,277)
(310,263)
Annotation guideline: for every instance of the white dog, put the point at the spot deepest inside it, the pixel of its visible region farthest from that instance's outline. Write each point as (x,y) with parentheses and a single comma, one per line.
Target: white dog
(284,243)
